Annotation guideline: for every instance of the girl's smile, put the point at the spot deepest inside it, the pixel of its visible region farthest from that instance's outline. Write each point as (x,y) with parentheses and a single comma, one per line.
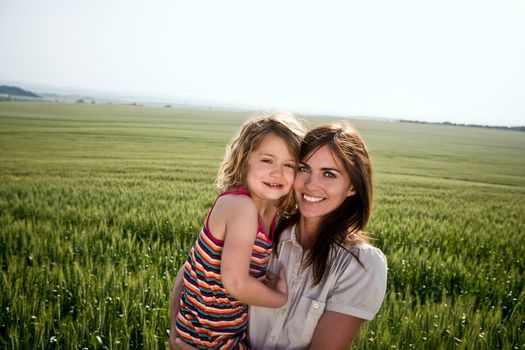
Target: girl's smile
(271,169)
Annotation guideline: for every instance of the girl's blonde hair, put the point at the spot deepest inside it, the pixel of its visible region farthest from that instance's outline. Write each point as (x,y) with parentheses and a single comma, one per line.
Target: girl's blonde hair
(232,170)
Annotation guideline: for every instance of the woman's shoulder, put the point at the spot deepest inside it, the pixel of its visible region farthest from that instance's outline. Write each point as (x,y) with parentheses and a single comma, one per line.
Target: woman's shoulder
(368,255)
(370,251)
(359,281)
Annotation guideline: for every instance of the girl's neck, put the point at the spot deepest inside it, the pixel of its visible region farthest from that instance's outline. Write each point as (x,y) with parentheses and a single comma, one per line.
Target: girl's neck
(307,231)
(267,211)
(264,207)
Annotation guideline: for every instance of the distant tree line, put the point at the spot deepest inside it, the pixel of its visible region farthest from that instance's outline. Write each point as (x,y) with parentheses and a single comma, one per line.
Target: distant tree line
(514,128)
(16,91)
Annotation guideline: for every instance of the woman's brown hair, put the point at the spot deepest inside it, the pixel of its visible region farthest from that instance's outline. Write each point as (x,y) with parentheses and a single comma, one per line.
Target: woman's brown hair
(344,226)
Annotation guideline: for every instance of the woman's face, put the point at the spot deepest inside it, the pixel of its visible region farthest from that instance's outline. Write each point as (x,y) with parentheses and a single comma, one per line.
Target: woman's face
(321,184)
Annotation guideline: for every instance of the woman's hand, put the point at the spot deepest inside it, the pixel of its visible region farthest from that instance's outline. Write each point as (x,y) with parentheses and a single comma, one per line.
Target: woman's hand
(178,344)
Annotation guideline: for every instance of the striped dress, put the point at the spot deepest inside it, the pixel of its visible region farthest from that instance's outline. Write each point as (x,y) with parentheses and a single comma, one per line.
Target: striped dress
(209,317)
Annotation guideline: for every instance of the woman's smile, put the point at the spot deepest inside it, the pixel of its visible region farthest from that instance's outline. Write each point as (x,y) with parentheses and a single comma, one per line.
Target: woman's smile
(312,199)
(321,184)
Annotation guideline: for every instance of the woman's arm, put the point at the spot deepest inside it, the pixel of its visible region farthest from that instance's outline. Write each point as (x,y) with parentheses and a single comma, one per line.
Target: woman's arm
(176,291)
(335,331)
(359,289)
(241,220)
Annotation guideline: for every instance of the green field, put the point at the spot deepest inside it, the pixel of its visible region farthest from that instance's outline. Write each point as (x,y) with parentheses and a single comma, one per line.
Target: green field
(99,206)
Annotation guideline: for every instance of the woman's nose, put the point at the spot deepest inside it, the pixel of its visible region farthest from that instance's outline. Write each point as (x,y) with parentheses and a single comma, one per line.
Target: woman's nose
(310,181)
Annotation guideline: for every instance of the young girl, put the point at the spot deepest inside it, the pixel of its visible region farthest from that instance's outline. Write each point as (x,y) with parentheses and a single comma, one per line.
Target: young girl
(220,276)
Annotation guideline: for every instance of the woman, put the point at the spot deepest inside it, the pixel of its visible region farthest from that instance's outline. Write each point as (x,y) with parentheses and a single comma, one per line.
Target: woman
(336,279)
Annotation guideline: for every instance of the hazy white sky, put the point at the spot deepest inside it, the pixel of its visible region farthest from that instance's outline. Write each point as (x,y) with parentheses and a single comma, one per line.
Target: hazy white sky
(446,60)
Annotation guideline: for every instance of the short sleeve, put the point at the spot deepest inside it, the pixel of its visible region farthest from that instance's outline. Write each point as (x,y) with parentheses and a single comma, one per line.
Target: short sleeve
(359,290)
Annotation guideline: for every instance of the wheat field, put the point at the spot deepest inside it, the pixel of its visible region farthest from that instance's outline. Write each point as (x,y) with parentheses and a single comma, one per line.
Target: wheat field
(99,205)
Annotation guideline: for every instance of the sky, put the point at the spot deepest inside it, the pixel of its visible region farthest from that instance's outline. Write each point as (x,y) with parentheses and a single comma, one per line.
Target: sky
(461,61)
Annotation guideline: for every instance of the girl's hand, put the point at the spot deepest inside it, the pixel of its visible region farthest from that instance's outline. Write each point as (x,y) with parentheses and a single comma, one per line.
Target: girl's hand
(277,283)
(269,280)
(280,284)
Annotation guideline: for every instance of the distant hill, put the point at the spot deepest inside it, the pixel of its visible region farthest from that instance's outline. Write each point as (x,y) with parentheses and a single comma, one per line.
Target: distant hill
(16,91)
(514,128)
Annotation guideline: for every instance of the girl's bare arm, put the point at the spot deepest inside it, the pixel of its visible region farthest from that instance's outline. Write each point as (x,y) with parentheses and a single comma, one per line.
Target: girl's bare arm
(241,227)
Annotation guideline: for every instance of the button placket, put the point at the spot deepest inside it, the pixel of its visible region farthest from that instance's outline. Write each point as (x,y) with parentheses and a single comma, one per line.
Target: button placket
(278,325)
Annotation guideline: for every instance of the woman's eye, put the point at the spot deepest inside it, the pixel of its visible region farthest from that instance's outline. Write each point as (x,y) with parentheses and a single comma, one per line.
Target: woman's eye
(269,161)
(329,174)
(302,169)
(290,165)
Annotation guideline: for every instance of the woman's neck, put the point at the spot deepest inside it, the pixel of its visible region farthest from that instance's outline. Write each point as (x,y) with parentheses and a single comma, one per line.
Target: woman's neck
(307,231)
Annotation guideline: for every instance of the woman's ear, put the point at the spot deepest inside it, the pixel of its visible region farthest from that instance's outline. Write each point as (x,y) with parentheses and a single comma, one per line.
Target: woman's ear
(350,192)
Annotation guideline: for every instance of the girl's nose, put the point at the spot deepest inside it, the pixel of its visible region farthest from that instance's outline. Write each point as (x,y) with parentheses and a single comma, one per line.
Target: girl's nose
(277,170)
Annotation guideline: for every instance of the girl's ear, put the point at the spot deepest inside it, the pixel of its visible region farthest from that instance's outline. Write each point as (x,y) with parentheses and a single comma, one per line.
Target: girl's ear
(350,192)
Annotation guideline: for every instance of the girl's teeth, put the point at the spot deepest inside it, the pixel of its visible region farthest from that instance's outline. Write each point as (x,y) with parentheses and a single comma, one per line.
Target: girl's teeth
(312,199)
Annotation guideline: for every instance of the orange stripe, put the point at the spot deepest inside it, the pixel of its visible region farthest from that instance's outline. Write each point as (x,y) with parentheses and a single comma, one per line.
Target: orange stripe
(204,273)
(208,308)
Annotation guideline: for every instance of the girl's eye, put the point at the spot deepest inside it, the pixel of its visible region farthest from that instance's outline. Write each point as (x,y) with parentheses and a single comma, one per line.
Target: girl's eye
(269,161)
(329,174)
(290,165)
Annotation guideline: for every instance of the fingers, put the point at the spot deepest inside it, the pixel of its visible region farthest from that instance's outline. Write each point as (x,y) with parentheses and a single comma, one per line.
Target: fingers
(263,279)
(172,343)
(282,285)
(180,345)
(270,275)
(269,280)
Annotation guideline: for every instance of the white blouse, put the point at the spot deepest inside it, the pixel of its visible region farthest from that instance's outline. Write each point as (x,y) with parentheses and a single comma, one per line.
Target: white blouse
(349,288)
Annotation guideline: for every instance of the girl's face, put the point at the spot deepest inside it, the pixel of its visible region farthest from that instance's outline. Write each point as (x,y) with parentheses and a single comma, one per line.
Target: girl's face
(321,184)
(271,169)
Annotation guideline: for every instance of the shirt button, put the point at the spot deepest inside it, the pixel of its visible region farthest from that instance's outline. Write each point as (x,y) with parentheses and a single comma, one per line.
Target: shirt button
(273,337)
(316,305)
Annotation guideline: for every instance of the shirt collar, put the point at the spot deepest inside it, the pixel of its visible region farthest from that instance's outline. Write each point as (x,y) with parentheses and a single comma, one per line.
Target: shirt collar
(290,236)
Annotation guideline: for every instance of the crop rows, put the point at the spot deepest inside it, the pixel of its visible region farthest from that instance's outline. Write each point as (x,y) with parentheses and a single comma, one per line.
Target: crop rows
(99,206)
